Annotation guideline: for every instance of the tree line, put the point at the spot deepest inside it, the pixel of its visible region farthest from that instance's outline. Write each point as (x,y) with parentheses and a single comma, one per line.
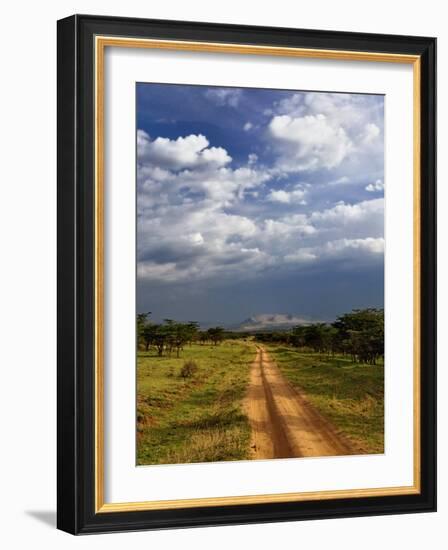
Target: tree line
(359,334)
(171,336)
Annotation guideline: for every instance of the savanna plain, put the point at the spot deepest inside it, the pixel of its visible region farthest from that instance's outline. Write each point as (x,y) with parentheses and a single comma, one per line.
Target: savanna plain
(216,395)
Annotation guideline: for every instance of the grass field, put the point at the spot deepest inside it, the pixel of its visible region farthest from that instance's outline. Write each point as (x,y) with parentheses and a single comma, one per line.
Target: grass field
(349,394)
(196,419)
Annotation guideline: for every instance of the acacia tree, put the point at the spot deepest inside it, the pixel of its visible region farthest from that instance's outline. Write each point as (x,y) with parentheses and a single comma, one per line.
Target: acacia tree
(165,337)
(297,337)
(147,335)
(192,331)
(170,330)
(184,333)
(143,330)
(160,337)
(216,335)
(362,334)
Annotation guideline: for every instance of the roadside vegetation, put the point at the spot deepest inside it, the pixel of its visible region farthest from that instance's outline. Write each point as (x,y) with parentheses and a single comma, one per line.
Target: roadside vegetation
(358,335)
(172,336)
(189,408)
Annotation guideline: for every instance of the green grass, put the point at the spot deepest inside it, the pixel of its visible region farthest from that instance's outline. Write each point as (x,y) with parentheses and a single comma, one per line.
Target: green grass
(349,394)
(196,419)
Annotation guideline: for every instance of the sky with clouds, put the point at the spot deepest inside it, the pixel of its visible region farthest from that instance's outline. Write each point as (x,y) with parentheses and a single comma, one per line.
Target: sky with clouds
(253,202)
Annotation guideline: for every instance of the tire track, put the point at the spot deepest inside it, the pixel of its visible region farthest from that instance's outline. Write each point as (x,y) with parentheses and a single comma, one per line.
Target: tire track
(283,423)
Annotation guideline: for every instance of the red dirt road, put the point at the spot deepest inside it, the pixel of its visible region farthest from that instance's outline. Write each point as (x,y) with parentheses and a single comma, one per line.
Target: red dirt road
(283,422)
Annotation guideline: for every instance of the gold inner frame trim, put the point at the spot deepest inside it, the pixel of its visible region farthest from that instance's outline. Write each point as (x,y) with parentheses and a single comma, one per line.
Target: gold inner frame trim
(101,42)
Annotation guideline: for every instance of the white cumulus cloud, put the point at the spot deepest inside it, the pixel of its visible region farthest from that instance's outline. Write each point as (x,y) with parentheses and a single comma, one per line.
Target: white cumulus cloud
(345,214)
(287,197)
(313,142)
(327,131)
(192,151)
(377,186)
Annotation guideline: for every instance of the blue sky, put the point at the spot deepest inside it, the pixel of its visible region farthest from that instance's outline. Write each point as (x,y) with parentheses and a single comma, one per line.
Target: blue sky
(253,202)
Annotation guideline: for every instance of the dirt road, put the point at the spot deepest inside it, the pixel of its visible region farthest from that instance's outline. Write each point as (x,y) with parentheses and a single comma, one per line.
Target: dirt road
(283,422)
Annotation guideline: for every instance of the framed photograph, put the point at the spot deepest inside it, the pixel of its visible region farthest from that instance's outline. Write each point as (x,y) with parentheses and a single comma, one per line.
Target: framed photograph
(246,274)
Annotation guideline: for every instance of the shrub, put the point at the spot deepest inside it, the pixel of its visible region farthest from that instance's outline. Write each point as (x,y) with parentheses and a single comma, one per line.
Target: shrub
(189,369)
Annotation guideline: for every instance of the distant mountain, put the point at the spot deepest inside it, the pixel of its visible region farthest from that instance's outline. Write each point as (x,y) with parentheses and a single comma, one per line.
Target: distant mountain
(271,321)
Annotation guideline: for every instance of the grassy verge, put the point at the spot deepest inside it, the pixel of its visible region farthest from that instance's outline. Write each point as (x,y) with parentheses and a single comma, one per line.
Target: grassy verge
(196,419)
(349,394)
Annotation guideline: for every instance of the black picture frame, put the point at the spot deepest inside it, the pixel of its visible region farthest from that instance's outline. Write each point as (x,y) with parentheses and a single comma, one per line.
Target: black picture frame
(76,254)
